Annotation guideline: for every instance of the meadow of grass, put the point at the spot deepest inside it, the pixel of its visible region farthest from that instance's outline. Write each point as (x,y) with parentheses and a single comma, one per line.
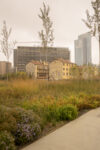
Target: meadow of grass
(51,101)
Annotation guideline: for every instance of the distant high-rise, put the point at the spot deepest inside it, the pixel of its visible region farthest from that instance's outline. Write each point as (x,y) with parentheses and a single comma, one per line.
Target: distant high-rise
(83,49)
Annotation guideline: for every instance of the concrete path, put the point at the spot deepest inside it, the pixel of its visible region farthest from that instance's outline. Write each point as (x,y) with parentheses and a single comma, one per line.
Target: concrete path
(80,134)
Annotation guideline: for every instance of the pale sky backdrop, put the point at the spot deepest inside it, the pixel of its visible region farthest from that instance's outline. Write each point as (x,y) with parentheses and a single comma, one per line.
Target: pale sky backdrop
(22,16)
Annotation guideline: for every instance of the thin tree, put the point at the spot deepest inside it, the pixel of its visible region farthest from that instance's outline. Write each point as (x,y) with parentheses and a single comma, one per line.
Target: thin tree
(46,34)
(93,21)
(6,45)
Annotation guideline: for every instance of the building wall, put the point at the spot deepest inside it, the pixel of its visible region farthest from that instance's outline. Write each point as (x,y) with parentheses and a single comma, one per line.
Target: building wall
(83,49)
(55,70)
(60,70)
(38,71)
(66,71)
(5,67)
(31,69)
(42,72)
(23,55)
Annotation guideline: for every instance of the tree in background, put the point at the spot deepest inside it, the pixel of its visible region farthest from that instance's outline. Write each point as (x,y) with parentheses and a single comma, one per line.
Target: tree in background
(75,72)
(6,45)
(93,21)
(84,72)
(46,35)
(88,72)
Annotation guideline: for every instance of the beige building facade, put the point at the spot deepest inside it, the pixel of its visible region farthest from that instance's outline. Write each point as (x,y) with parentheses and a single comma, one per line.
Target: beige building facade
(38,70)
(5,67)
(60,69)
(55,70)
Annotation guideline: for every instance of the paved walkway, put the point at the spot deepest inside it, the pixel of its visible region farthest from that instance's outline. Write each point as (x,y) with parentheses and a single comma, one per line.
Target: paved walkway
(81,134)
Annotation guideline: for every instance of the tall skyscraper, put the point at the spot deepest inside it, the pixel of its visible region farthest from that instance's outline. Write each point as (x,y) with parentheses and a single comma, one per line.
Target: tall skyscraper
(83,49)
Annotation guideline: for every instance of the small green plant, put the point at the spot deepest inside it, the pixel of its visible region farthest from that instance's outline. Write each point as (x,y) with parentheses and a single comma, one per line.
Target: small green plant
(6,141)
(51,113)
(68,112)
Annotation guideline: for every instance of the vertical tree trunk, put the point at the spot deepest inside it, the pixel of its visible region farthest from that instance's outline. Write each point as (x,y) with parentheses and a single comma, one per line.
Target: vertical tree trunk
(46,55)
(45,50)
(99,50)
(7,69)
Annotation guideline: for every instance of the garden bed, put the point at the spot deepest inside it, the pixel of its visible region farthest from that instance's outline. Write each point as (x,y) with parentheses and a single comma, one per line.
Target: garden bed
(31,109)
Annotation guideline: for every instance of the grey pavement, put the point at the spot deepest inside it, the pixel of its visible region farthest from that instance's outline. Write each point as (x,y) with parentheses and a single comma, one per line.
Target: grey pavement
(80,134)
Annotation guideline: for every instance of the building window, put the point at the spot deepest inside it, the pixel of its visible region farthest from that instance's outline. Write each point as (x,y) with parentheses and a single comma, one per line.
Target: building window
(63,68)
(66,74)
(63,73)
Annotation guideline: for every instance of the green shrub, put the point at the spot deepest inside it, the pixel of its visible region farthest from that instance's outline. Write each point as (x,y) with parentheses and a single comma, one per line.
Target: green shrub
(51,113)
(7,121)
(6,141)
(68,112)
(48,112)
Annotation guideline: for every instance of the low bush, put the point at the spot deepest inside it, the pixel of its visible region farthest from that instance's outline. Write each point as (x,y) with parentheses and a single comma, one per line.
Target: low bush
(25,116)
(95,97)
(27,133)
(6,141)
(88,102)
(68,112)
(28,126)
(7,121)
(24,125)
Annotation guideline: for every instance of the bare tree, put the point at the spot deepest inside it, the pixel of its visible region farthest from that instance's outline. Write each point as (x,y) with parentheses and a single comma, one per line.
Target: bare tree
(46,35)
(93,21)
(6,45)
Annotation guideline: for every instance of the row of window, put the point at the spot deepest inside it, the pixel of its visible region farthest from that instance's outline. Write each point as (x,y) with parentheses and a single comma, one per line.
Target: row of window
(65,69)
(66,65)
(67,74)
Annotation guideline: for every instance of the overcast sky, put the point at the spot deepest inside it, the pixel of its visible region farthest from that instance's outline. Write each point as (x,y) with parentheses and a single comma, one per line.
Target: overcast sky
(22,16)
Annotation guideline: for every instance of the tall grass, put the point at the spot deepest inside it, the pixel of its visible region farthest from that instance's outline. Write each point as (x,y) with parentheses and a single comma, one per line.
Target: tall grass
(17,91)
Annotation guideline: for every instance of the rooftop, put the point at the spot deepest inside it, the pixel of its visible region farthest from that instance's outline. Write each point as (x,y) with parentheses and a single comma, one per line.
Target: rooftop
(64,61)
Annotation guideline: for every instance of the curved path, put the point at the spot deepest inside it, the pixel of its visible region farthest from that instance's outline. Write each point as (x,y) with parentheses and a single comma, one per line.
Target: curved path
(80,134)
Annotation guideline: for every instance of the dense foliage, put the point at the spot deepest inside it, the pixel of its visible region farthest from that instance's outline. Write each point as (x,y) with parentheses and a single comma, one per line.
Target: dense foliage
(6,141)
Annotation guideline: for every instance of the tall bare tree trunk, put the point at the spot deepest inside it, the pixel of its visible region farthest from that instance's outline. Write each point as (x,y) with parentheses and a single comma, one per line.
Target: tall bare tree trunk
(99,50)
(46,53)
